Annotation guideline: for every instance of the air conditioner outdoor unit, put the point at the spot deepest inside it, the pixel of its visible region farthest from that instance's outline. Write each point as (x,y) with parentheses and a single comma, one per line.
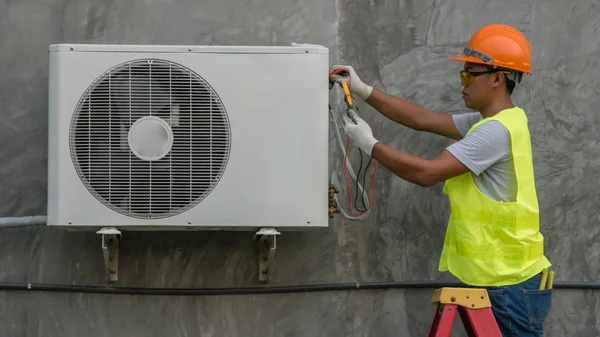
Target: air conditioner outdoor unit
(188,137)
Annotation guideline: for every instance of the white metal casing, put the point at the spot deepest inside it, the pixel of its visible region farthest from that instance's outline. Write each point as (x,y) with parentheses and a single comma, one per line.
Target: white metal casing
(276,101)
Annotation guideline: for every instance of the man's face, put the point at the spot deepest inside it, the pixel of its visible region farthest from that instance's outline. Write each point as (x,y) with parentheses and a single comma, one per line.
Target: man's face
(479,82)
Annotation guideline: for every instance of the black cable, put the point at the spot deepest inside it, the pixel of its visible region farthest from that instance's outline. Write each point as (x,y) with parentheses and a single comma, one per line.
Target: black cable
(357,190)
(362,195)
(358,177)
(364,181)
(267,289)
(363,184)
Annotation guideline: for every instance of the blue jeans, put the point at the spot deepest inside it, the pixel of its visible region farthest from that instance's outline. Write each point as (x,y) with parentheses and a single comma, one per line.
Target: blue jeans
(520,309)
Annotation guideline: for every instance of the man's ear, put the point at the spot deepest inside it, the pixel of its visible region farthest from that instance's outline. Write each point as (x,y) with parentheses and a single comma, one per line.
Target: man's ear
(499,79)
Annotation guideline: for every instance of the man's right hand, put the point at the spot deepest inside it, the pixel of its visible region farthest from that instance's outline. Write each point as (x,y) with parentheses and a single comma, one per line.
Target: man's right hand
(348,75)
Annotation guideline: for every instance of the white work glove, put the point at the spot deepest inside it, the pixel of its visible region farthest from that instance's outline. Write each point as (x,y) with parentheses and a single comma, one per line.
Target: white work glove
(360,133)
(357,87)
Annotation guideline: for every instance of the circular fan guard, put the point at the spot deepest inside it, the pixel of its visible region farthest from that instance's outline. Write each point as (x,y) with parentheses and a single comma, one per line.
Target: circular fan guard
(182,127)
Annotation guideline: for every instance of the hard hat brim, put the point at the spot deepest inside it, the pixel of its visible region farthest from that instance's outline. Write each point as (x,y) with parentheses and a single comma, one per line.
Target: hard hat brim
(473,59)
(468,58)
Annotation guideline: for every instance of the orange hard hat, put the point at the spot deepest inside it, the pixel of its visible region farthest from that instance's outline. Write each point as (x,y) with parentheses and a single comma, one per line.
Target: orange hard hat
(498,45)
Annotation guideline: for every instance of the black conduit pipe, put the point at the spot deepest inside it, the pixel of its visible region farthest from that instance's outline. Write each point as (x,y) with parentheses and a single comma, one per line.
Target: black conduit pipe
(101,289)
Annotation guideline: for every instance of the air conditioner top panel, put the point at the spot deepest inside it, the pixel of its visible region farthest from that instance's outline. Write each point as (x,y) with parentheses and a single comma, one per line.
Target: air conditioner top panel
(294,48)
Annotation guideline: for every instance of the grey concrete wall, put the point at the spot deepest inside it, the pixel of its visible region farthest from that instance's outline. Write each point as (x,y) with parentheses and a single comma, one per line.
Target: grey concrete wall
(401,47)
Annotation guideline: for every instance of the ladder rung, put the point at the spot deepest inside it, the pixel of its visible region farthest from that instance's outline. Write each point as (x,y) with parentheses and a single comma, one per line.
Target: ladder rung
(473,298)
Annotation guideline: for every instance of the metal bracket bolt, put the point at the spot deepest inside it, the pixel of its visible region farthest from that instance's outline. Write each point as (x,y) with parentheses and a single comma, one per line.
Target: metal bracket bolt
(110,251)
(267,243)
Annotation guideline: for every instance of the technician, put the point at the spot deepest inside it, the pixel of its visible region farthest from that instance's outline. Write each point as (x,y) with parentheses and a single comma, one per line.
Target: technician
(493,238)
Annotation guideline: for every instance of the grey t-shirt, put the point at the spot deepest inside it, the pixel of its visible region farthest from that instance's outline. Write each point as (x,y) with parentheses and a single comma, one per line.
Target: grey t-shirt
(486,152)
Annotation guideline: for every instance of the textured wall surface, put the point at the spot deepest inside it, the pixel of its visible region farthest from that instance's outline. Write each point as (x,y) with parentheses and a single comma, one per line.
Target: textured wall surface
(399,46)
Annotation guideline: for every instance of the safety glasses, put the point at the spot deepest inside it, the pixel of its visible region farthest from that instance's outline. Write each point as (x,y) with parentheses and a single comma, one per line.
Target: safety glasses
(468,77)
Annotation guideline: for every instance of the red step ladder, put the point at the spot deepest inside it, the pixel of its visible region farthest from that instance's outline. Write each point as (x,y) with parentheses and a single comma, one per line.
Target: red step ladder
(474,308)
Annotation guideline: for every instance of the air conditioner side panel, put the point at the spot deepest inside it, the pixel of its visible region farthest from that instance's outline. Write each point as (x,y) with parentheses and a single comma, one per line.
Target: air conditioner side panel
(54,146)
(277,173)
(69,77)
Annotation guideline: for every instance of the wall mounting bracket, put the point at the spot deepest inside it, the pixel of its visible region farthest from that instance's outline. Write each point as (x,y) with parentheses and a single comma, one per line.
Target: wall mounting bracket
(110,251)
(267,243)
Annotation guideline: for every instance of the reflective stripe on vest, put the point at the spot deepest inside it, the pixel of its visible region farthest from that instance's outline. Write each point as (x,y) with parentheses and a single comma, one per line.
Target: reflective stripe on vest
(490,243)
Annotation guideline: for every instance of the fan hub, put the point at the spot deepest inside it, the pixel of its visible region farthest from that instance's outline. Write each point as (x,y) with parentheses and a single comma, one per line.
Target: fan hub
(150,138)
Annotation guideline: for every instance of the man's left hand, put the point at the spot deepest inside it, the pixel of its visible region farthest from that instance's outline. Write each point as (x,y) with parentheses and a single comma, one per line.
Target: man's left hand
(360,133)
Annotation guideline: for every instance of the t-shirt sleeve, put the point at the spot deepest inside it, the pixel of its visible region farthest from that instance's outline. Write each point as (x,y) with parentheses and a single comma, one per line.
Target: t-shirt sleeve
(484,146)
(465,121)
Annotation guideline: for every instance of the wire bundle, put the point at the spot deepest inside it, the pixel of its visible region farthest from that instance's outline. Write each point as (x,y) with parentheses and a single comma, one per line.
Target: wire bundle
(356,213)
(354,206)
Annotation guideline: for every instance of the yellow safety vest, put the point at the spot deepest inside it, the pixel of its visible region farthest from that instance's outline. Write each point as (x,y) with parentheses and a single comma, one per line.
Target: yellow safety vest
(490,243)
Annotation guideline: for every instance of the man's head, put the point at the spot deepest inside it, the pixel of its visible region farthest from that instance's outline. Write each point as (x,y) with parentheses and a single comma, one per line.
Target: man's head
(495,60)
(483,83)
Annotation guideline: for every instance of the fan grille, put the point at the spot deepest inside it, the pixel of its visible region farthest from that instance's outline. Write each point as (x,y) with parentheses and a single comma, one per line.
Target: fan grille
(181,121)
